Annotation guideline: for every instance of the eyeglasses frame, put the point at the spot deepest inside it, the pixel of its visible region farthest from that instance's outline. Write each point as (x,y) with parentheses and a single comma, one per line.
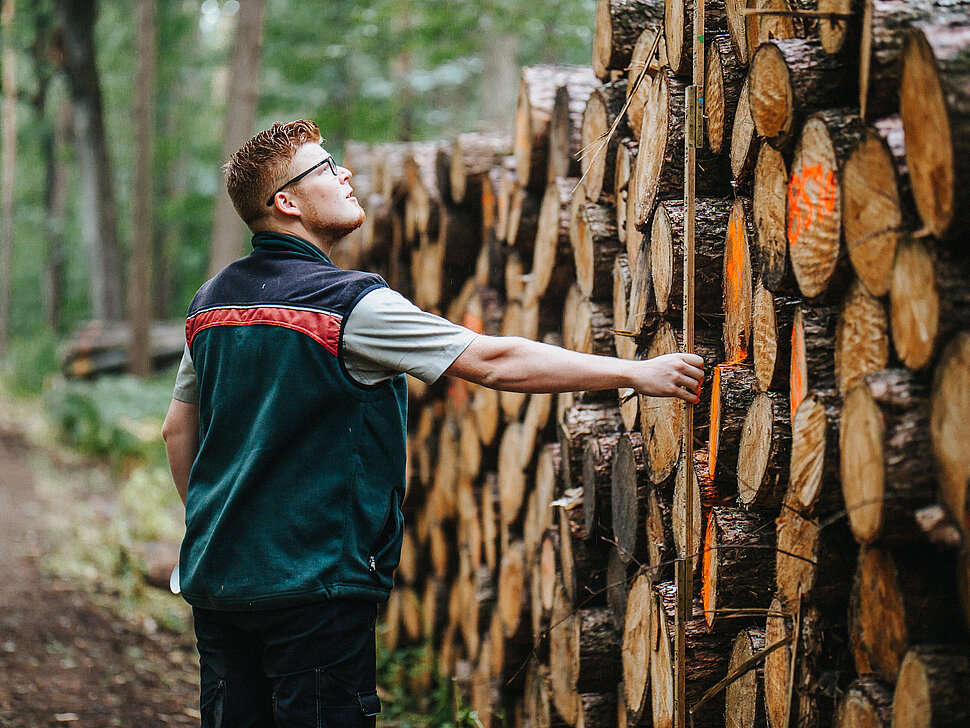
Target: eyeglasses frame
(328,160)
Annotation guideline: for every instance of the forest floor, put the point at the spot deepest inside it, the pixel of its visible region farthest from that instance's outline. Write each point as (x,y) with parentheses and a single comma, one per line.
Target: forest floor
(68,656)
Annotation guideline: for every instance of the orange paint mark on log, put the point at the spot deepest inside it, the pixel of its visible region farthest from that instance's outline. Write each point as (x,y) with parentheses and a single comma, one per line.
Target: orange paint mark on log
(798,384)
(736,253)
(811,197)
(714,430)
(707,586)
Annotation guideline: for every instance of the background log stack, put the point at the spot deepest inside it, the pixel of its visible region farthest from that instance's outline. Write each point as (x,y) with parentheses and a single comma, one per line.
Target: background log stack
(833,311)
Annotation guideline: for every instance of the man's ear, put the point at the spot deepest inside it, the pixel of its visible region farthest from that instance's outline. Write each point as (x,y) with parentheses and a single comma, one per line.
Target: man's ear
(286,204)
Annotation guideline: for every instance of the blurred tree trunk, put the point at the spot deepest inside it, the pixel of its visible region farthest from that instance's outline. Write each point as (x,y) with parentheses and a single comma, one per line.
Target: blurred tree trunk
(140,279)
(55,195)
(500,80)
(227,228)
(99,216)
(9,167)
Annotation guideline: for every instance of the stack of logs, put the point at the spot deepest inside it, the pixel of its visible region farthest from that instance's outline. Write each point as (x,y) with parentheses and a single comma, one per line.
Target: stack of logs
(832,309)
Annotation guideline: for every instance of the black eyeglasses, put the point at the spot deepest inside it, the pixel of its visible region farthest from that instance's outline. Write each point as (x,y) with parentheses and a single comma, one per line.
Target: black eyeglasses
(326,161)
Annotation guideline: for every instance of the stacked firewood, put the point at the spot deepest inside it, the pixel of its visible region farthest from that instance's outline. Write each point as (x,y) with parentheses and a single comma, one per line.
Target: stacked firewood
(832,303)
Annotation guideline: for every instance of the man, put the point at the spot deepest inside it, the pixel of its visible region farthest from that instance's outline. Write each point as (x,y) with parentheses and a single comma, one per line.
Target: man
(286,441)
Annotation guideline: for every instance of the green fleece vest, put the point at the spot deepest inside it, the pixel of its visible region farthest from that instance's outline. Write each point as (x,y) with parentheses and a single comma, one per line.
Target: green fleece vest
(296,491)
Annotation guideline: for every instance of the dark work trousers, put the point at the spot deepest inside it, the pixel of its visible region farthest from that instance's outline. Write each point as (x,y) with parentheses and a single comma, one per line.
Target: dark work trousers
(312,665)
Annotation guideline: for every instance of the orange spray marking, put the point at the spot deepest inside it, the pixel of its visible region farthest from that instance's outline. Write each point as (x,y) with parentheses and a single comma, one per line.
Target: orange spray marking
(706,565)
(798,385)
(736,249)
(714,430)
(811,197)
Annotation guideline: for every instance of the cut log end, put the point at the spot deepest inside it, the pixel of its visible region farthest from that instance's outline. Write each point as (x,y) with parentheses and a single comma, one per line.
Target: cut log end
(770,93)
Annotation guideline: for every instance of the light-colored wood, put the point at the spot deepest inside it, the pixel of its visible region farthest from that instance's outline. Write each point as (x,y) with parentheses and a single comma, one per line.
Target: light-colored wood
(744,699)
(768,207)
(861,336)
(637,643)
(600,141)
(950,426)
(660,417)
(724,78)
(740,258)
(618,26)
(764,453)
(868,703)
(932,689)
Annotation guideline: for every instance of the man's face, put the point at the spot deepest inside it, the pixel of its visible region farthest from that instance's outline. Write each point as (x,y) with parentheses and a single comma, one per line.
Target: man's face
(326,201)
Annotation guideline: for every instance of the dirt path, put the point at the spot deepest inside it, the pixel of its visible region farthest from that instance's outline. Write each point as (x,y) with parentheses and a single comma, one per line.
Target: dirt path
(64,659)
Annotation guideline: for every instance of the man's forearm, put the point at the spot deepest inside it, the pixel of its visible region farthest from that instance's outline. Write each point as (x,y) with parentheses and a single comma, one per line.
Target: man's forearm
(181,435)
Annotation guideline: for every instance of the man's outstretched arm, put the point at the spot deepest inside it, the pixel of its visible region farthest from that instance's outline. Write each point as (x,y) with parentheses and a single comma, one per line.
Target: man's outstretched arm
(181,434)
(520,365)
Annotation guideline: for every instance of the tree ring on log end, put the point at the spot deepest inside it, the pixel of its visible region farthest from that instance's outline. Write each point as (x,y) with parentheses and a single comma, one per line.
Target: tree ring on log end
(637,643)
(914,304)
(770,92)
(777,665)
(755,448)
(863,475)
(808,448)
(950,426)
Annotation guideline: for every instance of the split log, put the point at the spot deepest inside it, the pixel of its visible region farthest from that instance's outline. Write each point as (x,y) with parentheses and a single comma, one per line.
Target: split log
(815,198)
(868,703)
(724,78)
(950,427)
(542,587)
(628,497)
(644,66)
(929,302)
(533,113)
(733,391)
(764,454)
(599,146)
(598,458)
(582,657)
(659,168)
(811,562)
(667,255)
(934,104)
(861,336)
(814,481)
(932,689)
(769,198)
(595,248)
(790,79)
(547,468)
(512,476)
(619,23)
(772,317)
(872,204)
(512,602)
(552,264)
(884,25)
(660,417)
(744,699)
(812,353)
(565,126)
(473,155)
(707,655)
(637,643)
(737,570)
(423,203)
(744,145)
(740,257)
(884,433)
(679,30)
(642,309)
(901,599)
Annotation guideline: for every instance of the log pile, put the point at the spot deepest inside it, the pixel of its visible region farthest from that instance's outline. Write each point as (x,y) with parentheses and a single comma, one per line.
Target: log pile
(833,312)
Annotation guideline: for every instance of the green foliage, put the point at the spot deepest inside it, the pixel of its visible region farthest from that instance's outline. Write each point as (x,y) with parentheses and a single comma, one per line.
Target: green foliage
(116,418)
(30,362)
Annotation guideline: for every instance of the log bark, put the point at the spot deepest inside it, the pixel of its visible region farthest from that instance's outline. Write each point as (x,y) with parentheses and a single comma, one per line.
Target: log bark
(872,206)
(679,30)
(737,567)
(950,427)
(812,353)
(934,93)
(660,160)
(523,219)
(733,391)
(707,655)
(932,689)
(883,28)
(619,23)
(861,336)
(764,454)
(724,78)
(628,497)
(868,703)
(929,302)
(769,199)
(773,316)
(744,699)
(595,247)
(579,423)
(901,598)
(815,199)
(667,255)
(790,79)
(552,263)
(565,126)
(598,159)
(740,258)
(598,458)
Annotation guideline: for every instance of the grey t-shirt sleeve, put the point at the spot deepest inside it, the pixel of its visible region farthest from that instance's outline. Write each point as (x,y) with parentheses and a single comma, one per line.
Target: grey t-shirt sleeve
(186,383)
(385,334)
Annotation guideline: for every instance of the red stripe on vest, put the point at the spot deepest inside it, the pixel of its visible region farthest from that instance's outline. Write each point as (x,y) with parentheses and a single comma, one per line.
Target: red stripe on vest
(322,327)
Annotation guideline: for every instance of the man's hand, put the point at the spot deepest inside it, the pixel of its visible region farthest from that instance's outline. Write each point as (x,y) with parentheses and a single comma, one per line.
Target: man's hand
(671,375)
